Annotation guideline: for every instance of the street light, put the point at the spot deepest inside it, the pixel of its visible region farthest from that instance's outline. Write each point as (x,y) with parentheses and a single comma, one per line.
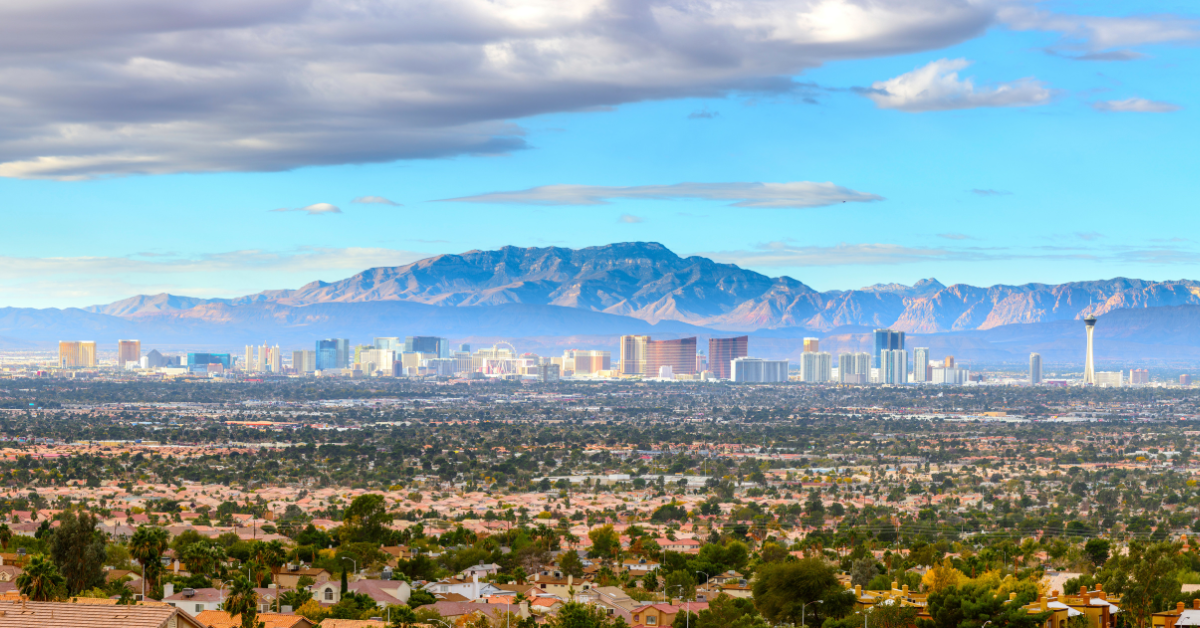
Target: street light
(687,619)
(706,577)
(805,606)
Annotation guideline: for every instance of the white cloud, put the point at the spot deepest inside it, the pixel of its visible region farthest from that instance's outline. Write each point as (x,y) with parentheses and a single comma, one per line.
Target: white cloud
(1135,105)
(316,209)
(1103,38)
(936,87)
(781,254)
(800,194)
(140,86)
(630,219)
(376,200)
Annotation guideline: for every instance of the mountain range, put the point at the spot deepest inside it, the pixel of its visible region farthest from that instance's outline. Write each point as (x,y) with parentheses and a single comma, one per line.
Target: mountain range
(603,291)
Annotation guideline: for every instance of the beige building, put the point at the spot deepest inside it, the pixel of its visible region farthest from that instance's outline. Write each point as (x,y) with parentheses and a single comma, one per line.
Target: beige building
(633,355)
(76,353)
(128,351)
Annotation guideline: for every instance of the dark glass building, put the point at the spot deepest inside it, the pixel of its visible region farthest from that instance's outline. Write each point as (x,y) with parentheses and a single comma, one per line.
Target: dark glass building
(723,351)
(679,354)
(886,340)
(333,353)
(196,359)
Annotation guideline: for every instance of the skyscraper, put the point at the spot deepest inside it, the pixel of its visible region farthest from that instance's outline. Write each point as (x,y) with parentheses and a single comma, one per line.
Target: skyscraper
(921,371)
(304,361)
(894,365)
(633,355)
(723,351)
(333,353)
(204,359)
(1035,368)
(389,344)
(816,366)
(427,344)
(1089,365)
(948,362)
(757,370)
(812,345)
(76,354)
(679,354)
(886,340)
(854,368)
(128,351)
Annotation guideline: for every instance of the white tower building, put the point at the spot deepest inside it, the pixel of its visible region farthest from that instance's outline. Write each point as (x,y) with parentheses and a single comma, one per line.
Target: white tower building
(1089,365)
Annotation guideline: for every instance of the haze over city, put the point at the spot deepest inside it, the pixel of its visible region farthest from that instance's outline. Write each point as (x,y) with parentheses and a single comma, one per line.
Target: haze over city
(599,314)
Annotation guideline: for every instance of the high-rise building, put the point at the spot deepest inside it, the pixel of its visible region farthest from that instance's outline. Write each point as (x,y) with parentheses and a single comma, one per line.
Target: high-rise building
(922,373)
(886,340)
(854,368)
(1035,368)
(723,351)
(633,355)
(587,362)
(374,361)
(333,353)
(428,344)
(1185,380)
(1089,365)
(76,354)
(701,362)
(304,361)
(128,351)
(390,343)
(816,366)
(204,359)
(948,362)
(894,366)
(950,375)
(153,360)
(812,345)
(251,365)
(679,354)
(759,371)
(1115,379)
(1139,376)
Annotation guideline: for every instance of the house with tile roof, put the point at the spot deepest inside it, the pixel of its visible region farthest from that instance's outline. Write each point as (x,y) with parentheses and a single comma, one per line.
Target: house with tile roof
(221,619)
(25,614)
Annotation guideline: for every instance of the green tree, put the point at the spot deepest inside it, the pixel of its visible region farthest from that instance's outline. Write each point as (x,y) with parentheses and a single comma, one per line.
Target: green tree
(861,571)
(893,616)
(147,546)
(972,606)
(680,583)
(403,617)
(780,590)
(77,548)
(577,615)
(571,564)
(365,521)
(730,612)
(606,543)
(243,601)
(6,535)
(1145,578)
(1097,551)
(41,581)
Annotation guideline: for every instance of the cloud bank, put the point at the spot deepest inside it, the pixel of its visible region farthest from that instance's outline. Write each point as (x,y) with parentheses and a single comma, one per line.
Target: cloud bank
(797,194)
(936,87)
(1135,105)
(375,200)
(143,87)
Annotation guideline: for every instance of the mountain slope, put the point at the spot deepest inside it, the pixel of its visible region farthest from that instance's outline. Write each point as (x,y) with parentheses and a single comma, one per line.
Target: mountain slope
(647,281)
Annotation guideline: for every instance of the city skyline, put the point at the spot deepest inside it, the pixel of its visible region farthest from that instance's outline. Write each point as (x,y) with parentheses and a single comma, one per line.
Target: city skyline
(959,140)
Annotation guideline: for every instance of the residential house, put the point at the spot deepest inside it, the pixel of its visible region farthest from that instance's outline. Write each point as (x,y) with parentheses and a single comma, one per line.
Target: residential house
(221,619)
(1180,616)
(472,588)
(555,584)
(639,566)
(288,576)
(42,614)
(481,571)
(384,592)
(655,615)
(452,611)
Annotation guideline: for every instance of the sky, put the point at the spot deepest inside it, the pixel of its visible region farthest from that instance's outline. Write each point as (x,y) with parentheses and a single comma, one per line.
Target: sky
(232,147)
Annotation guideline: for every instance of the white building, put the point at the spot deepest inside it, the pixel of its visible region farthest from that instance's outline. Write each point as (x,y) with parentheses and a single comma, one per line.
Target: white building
(757,370)
(1114,379)
(921,365)
(816,366)
(854,368)
(893,366)
(952,375)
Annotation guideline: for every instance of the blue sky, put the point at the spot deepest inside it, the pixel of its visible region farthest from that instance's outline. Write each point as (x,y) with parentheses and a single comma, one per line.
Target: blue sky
(1047,169)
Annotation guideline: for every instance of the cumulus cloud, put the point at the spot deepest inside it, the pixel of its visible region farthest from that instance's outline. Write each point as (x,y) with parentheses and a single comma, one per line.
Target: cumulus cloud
(936,87)
(630,219)
(792,194)
(316,209)
(703,114)
(1102,38)
(1135,105)
(375,200)
(141,87)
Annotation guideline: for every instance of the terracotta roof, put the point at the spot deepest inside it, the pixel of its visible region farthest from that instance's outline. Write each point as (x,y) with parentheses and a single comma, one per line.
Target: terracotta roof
(352,623)
(221,619)
(68,615)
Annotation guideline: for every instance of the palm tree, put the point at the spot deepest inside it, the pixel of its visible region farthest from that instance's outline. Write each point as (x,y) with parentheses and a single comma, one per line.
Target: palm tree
(147,546)
(5,535)
(243,600)
(41,580)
